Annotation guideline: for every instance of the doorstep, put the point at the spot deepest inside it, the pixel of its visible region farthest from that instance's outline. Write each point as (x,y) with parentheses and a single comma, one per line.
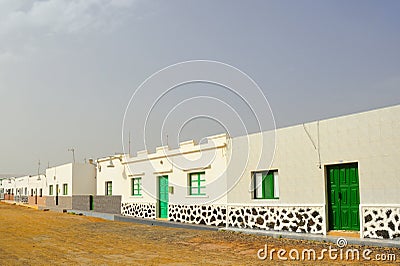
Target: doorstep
(343,233)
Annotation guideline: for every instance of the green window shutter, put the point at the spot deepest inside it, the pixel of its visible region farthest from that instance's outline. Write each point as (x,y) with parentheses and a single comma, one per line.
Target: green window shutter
(268,185)
(196,184)
(109,188)
(136,186)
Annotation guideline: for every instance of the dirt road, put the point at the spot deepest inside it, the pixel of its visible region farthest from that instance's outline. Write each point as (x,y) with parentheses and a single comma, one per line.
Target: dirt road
(32,237)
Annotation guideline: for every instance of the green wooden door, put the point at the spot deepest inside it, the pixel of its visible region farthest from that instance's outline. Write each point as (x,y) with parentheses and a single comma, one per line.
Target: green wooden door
(343,197)
(56,194)
(163,196)
(91,203)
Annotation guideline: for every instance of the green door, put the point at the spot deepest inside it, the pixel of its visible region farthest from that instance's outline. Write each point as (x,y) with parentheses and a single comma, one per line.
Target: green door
(163,196)
(56,194)
(343,197)
(91,203)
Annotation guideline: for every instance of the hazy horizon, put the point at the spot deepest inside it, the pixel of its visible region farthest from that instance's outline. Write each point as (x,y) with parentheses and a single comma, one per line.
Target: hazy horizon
(69,68)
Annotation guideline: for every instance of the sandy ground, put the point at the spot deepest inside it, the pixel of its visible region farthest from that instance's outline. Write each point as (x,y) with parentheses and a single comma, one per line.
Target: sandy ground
(32,237)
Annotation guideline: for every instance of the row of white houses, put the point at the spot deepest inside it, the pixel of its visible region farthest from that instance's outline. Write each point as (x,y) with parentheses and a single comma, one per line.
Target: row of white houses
(54,188)
(335,174)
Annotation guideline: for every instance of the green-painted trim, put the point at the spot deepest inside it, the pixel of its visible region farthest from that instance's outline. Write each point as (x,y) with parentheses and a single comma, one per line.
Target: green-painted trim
(65,189)
(343,197)
(91,207)
(163,196)
(196,184)
(267,183)
(136,186)
(108,188)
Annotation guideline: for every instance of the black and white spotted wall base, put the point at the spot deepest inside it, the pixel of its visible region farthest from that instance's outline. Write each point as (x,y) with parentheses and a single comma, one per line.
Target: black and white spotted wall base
(293,219)
(381,223)
(198,214)
(139,210)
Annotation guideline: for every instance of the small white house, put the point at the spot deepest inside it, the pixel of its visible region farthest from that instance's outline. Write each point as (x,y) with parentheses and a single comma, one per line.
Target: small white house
(24,189)
(69,184)
(335,174)
(154,185)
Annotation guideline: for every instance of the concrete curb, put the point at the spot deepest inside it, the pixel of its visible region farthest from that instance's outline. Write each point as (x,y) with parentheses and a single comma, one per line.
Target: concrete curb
(320,238)
(120,218)
(53,209)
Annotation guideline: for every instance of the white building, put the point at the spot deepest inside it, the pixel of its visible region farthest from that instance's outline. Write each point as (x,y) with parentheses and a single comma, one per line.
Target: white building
(24,189)
(153,185)
(69,184)
(335,174)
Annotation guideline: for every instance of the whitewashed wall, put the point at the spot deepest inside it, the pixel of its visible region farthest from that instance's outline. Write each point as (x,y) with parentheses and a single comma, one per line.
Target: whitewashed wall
(79,177)
(177,165)
(371,138)
(21,183)
(83,179)
(114,174)
(9,183)
(59,175)
(36,183)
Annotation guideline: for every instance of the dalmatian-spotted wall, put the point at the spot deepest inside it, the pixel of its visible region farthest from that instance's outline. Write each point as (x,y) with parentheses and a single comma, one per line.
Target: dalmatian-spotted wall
(293,219)
(381,223)
(198,214)
(140,210)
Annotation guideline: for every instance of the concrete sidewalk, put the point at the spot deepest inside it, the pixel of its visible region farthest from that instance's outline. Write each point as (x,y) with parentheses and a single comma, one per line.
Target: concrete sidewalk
(105,216)
(154,222)
(165,223)
(320,238)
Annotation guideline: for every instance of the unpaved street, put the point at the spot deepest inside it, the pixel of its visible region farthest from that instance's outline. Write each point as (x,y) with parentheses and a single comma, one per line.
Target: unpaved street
(32,237)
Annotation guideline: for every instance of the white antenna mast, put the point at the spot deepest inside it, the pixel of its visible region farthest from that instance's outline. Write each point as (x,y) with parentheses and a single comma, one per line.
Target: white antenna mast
(129,144)
(73,154)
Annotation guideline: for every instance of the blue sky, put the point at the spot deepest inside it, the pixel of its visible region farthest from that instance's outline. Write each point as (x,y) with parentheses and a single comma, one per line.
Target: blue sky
(68,68)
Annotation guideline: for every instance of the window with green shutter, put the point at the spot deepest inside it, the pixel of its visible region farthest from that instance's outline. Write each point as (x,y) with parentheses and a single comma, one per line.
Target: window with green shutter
(136,186)
(65,189)
(51,190)
(197,184)
(266,185)
(109,188)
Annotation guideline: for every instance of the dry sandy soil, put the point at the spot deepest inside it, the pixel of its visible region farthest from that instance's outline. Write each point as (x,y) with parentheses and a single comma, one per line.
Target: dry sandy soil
(32,237)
